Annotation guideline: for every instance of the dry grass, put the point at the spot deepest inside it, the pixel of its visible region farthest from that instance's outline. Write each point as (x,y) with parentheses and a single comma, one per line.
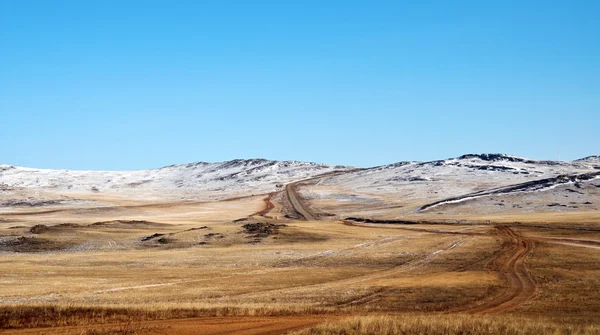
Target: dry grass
(447,325)
(106,274)
(22,316)
(568,278)
(321,264)
(128,328)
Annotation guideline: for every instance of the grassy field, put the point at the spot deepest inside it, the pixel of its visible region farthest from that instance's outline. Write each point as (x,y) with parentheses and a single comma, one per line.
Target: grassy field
(143,262)
(447,325)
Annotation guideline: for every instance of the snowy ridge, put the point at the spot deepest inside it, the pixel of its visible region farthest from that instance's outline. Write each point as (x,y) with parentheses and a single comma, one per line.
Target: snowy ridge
(420,182)
(428,182)
(589,159)
(532,186)
(237,177)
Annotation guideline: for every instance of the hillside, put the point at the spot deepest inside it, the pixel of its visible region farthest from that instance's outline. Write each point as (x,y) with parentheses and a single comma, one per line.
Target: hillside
(253,243)
(470,184)
(404,188)
(188,181)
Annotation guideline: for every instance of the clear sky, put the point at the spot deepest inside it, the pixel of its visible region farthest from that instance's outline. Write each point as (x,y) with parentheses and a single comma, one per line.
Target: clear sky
(141,84)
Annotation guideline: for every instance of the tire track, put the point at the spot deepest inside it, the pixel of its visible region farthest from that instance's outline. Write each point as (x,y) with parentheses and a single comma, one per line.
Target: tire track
(510,264)
(366,299)
(361,278)
(594,244)
(520,284)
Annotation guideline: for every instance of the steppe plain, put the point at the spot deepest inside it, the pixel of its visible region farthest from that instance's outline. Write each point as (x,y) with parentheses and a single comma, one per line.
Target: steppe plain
(469,245)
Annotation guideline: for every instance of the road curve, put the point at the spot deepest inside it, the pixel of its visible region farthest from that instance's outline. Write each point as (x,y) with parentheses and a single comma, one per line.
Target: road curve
(520,284)
(510,265)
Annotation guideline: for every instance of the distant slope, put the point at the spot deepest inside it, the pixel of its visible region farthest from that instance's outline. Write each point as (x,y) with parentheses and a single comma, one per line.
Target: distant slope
(195,180)
(414,184)
(403,188)
(456,176)
(589,160)
(530,186)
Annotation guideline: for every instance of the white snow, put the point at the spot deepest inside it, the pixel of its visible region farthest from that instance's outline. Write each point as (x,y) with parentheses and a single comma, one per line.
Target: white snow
(426,181)
(437,180)
(589,160)
(189,181)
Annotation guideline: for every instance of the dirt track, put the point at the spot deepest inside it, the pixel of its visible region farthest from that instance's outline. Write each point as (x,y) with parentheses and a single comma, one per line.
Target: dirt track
(512,267)
(243,325)
(570,241)
(268,206)
(510,264)
(290,191)
(296,201)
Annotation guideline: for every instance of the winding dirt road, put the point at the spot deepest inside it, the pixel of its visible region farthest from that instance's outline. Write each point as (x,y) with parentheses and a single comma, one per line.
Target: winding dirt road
(511,266)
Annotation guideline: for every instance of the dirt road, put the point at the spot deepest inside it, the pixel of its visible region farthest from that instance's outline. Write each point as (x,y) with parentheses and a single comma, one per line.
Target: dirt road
(290,191)
(296,201)
(244,325)
(510,265)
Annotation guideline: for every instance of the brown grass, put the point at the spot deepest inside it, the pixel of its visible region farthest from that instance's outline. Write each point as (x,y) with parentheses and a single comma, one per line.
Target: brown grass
(446,325)
(106,274)
(20,316)
(129,328)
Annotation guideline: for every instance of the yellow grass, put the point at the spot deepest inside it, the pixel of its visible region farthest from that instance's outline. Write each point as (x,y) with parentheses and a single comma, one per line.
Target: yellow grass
(447,325)
(32,316)
(209,266)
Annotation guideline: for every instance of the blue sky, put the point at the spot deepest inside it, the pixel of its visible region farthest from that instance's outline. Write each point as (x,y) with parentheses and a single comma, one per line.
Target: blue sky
(141,84)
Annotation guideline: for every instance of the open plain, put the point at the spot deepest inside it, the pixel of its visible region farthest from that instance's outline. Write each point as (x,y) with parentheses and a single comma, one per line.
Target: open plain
(475,244)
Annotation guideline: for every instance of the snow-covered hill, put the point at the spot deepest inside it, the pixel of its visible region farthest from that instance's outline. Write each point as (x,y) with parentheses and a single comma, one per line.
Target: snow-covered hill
(190,181)
(410,185)
(459,175)
(414,182)
(589,160)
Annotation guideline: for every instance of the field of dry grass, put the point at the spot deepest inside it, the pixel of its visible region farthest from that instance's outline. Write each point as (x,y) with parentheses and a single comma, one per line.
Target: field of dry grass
(447,325)
(253,257)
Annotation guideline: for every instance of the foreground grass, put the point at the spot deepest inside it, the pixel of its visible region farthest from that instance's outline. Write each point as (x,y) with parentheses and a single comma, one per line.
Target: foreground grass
(40,316)
(131,320)
(447,325)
